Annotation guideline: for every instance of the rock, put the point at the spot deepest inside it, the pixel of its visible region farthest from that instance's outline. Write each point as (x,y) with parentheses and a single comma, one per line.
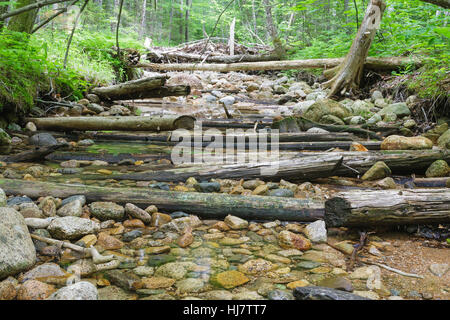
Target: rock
(185,240)
(95,107)
(131,235)
(174,270)
(284,193)
(256,266)
(324,107)
(355,146)
(367,294)
(444,140)
(3,198)
(159,219)
(377,95)
(410,123)
(138,213)
(390,117)
(316,231)
(157,282)
(45,270)
(119,110)
(362,273)
(395,142)
(280,295)
(107,211)
(93,98)
(439,269)
(70,164)
(189,285)
(331,119)
(252,184)
(247,295)
(338,283)
(82,290)
(43,140)
(217,295)
(160,259)
(399,109)
(34,290)
(322,293)
(133,223)
(287,239)
(114,293)
(123,279)
(386,183)
(109,242)
(30,126)
(317,130)
(178,214)
(73,208)
(374,119)
(301,107)
(229,279)
(209,98)
(8,289)
(345,246)
(87,241)
(72,228)
(227,101)
(357,120)
(11,174)
(5,139)
(378,171)
(439,168)
(207,187)
(17,249)
(86,143)
(235,223)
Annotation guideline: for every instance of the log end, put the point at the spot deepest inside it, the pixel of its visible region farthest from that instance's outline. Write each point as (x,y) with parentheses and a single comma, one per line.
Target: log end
(184,122)
(337,211)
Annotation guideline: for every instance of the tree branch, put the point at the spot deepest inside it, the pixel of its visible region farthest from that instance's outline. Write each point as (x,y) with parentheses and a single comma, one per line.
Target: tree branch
(73,31)
(29,7)
(56,14)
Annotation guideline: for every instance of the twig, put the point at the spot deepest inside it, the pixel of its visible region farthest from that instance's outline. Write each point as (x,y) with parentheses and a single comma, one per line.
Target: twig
(412,275)
(117,28)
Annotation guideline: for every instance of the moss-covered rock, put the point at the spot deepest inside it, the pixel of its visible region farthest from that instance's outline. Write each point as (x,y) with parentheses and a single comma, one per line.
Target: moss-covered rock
(379,170)
(324,107)
(396,142)
(439,168)
(229,279)
(5,139)
(444,140)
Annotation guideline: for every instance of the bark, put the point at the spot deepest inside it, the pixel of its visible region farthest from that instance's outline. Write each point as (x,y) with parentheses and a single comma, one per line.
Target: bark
(388,207)
(279,49)
(442,3)
(347,76)
(205,205)
(36,154)
(29,5)
(377,64)
(3,10)
(215,59)
(23,22)
(157,123)
(142,29)
(231,40)
(110,158)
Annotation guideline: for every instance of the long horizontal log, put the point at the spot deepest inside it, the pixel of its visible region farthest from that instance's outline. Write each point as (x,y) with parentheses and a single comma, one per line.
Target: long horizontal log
(391,63)
(218,59)
(156,123)
(388,207)
(294,169)
(134,87)
(207,205)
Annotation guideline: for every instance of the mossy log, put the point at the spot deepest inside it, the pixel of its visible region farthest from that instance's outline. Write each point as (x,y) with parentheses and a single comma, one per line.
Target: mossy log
(36,154)
(155,123)
(362,208)
(205,205)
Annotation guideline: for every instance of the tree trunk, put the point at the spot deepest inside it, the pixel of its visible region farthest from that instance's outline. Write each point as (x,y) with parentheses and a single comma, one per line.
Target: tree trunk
(3,9)
(347,76)
(23,22)
(186,22)
(142,28)
(170,22)
(156,123)
(442,3)
(206,205)
(279,49)
(231,40)
(388,207)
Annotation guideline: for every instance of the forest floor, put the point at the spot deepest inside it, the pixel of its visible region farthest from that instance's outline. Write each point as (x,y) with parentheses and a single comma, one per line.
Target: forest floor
(163,254)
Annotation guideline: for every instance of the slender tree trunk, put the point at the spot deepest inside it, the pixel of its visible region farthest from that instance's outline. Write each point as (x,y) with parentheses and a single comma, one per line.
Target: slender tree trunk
(144,9)
(186,21)
(170,21)
(271,28)
(23,22)
(347,76)
(3,9)
(231,40)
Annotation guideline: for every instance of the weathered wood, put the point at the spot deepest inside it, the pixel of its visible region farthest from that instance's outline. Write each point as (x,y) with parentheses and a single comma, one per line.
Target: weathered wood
(388,207)
(295,169)
(218,59)
(110,158)
(36,154)
(371,63)
(155,123)
(206,205)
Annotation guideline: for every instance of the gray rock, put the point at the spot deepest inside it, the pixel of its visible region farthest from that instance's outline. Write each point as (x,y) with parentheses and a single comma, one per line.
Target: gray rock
(374,119)
(317,130)
(93,98)
(285,193)
(189,285)
(2,198)
(280,295)
(72,227)
(439,269)
(82,290)
(316,231)
(17,251)
(131,235)
(107,211)
(43,140)
(210,98)
(81,198)
(323,293)
(44,270)
(5,139)
(122,279)
(137,213)
(207,187)
(227,101)
(377,95)
(357,120)
(95,107)
(86,142)
(73,208)
(400,109)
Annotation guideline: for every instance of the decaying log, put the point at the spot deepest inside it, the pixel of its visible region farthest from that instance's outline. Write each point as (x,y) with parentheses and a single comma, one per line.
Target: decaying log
(110,158)
(218,59)
(379,64)
(205,205)
(36,154)
(388,207)
(155,123)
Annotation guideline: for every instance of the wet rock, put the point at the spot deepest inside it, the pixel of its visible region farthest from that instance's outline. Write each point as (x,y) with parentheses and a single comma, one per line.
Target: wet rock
(378,171)
(72,227)
(399,109)
(158,282)
(287,239)
(87,241)
(133,223)
(256,266)
(86,142)
(406,143)
(174,270)
(252,184)
(207,187)
(357,120)
(138,213)
(107,211)
(12,174)
(390,117)
(109,242)
(93,98)
(439,168)
(374,119)
(235,223)
(114,293)
(439,269)
(247,295)
(144,271)
(131,235)
(160,259)
(119,110)
(43,271)
(362,273)
(17,249)
(95,107)
(8,289)
(322,293)
(229,279)
(178,214)
(386,183)
(34,290)
(338,283)
(316,231)
(189,285)
(410,123)
(345,246)
(367,295)
(331,119)
(73,208)
(284,193)
(5,139)
(43,140)
(217,295)
(280,295)
(82,290)
(227,101)
(185,240)
(123,279)
(317,130)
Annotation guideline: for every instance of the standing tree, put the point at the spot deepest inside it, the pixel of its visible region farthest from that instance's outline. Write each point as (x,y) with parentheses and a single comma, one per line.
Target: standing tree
(279,49)
(348,74)
(3,9)
(23,22)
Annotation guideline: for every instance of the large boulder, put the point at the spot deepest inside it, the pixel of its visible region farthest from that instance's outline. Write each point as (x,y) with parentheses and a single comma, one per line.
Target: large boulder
(82,290)
(17,252)
(406,143)
(324,107)
(43,140)
(69,228)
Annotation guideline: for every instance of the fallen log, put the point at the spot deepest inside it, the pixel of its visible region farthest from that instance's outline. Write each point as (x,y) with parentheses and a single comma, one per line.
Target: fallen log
(156,123)
(134,87)
(142,93)
(388,207)
(371,63)
(36,154)
(218,59)
(205,205)
(294,169)
(110,158)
